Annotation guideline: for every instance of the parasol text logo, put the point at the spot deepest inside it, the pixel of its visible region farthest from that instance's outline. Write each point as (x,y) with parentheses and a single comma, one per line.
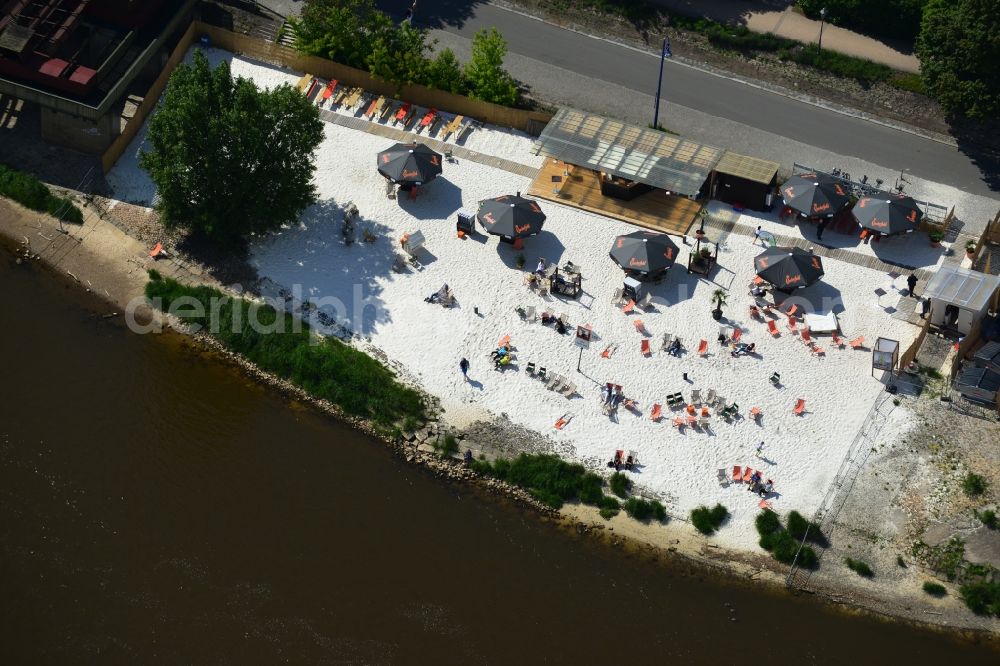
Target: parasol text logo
(520,229)
(789,192)
(535,207)
(669,254)
(385,159)
(819,208)
(879,224)
(489,219)
(762,263)
(816,264)
(792,279)
(839,189)
(410,174)
(862,203)
(636,263)
(434,160)
(912,217)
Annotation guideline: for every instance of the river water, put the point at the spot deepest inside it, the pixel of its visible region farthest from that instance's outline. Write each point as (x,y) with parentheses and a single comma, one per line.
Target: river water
(158,507)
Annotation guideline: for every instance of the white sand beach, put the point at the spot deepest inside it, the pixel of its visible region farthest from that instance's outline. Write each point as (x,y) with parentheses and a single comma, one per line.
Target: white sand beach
(356,283)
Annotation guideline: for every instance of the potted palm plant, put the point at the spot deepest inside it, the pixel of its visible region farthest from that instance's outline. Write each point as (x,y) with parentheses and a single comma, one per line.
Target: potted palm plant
(970,248)
(719,298)
(936,236)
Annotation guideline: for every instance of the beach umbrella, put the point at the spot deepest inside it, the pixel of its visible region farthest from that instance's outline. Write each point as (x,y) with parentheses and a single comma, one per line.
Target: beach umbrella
(409,163)
(510,216)
(788,268)
(814,194)
(887,213)
(644,252)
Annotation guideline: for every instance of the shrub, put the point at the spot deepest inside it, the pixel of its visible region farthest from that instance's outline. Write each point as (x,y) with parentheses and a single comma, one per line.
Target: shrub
(982,598)
(885,18)
(848,67)
(548,478)
(449,445)
(934,589)
(645,510)
(988,518)
(325,368)
(798,526)
(900,562)
(620,484)
(776,539)
(973,485)
(908,81)
(609,507)
(859,567)
(34,194)
(608,514)
(706,520)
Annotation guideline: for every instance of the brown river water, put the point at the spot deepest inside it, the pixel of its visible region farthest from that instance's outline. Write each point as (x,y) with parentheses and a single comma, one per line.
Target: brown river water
(158,507)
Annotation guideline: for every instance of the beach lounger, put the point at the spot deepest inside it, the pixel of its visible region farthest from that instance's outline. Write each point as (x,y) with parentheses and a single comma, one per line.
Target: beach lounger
(754,412)
(792,309)
(800,406)
(793,325)
(563,420)
(628,307)
(737,473)
(640,326)
(463,129)
(720,403)
(504,341)
(692,420)
(401,112)
(667,339)
(723,477)
(541,373)
(764,504)
(816,349)
(428,118)
(529,313)
(696,396)
(737,334)
(327,92)
(806,337)
(410,117)
(657,412)
(530,369)
(644,347)
(837,340)
(773,328)
(857,342)
(710,397)
(568,389)
(775,378)
(157,251)
(553,381)
(702,347)
(679,422)
(646,302)
(703,423)
(747,473)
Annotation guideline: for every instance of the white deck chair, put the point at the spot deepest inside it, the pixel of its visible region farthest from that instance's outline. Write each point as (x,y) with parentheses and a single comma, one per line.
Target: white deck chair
(645,302)
(617,298)
(723,478)
(696,396)
(569,390)
(667,339)
(529,313)
(710,398)
(703,423)
(720,403)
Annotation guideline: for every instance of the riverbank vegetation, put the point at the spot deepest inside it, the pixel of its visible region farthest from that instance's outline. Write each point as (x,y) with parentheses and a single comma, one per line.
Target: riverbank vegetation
(859,567)
(34,194)
(708,521)
(325,368)
(778,541)
(358,34)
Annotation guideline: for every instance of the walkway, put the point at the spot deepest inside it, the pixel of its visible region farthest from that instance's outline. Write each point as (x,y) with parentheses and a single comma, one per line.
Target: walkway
(764,17)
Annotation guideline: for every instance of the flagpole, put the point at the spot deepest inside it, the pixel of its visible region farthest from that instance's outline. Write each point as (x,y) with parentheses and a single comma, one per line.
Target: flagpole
(664,52)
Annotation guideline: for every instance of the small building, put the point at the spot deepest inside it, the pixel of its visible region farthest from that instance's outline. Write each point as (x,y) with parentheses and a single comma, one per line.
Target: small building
(988,356)
(981,384)
(747,182)
(960,298)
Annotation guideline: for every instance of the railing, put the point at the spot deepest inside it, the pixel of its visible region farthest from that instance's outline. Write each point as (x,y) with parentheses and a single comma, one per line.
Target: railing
(838,492)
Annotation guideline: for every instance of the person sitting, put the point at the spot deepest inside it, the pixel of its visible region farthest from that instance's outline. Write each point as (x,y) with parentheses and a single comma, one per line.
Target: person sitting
(438,296)
(560,327)
(755,311)
(547,319)
(501,361)
(540,268)
(606,395)
(767,488)
(467,457)
(758,292)
(722,338)
(675,348)
(751,347)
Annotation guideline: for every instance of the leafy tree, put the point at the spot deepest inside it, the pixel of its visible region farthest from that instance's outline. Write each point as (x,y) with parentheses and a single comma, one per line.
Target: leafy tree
(959,48)
(340,30)
(487,78)
(397,54)
(884,18)
(227,158)
(445,73)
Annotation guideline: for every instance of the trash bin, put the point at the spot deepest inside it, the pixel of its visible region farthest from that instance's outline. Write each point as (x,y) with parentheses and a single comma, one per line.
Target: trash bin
(632,289)
(466,222)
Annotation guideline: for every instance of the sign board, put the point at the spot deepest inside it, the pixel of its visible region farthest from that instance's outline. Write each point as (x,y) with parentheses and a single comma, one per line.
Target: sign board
(583,334)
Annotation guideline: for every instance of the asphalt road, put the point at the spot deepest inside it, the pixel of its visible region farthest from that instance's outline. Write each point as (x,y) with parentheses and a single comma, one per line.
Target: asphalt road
(720,97)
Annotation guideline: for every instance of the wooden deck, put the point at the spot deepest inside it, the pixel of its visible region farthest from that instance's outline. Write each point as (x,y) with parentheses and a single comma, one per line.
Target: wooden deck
(582,189)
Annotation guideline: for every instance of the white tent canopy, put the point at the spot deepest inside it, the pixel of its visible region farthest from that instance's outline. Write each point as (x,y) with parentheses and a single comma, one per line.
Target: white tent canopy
(969,291)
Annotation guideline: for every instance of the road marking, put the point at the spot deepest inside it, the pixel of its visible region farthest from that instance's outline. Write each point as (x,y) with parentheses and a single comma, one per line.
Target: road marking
(775,90)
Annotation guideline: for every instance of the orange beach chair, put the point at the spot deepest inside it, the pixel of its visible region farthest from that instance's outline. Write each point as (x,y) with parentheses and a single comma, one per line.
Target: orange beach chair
(156,251)
(800,406)
(628,307)
(857,342)
(703,347)
(837,340)
(793,324)
(504,341)
(747,473)
(737,334)
(657,412)
(773,328)
(644,347)
(737,473)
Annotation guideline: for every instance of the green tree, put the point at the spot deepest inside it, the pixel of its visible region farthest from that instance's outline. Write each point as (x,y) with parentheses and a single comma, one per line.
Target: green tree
(340,30)
(398,54)
(445,73)
(487,78)
(227,158)
(882,18)
(959,48)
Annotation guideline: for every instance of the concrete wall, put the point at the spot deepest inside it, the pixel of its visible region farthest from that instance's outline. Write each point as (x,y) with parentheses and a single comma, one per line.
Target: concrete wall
(87,136)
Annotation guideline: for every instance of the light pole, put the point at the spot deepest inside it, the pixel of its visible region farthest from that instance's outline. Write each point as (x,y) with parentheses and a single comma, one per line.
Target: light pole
(664,54)
(822,20)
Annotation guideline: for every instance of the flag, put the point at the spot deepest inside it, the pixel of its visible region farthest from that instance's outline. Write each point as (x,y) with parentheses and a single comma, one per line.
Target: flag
(666,48)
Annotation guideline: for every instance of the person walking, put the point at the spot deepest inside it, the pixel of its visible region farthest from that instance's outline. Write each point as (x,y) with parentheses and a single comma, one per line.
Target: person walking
(760,447)
(464,367)
(756,236)
(911,282)
(819,229)
(408,17)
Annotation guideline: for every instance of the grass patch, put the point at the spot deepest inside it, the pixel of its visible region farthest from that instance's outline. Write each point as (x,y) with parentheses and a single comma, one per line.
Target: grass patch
(973,485)
(34,194)
(947,558)
(645,510)
(988,518)
(982,598)
(708,521)
(775,539)
(447,446)
(859,567)
(934,589)
(800,528)
(323,367)
(848,67)
(911,82)
(609,507)
(620,484)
